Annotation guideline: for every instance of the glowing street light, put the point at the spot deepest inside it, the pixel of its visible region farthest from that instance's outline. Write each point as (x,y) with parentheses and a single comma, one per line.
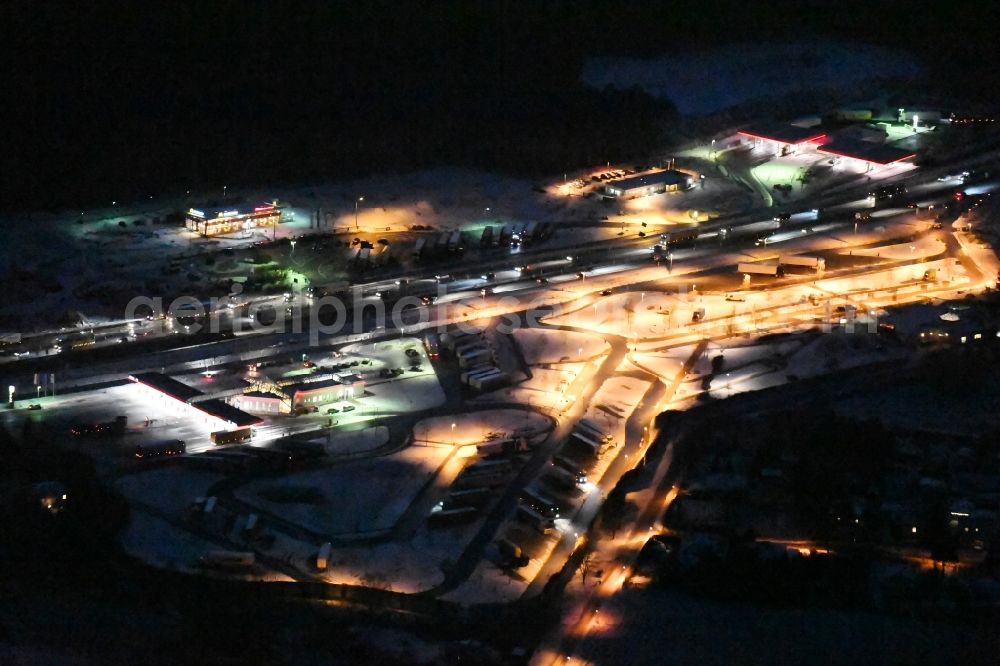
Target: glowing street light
(356,202)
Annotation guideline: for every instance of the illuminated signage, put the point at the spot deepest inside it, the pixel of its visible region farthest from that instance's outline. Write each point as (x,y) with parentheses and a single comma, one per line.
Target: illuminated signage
(196,212)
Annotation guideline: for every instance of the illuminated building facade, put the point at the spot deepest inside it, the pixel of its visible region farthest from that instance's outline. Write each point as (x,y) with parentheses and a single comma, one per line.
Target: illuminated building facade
(231,220)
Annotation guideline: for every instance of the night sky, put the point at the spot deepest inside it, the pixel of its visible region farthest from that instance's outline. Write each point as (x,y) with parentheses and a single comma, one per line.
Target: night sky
(108,103)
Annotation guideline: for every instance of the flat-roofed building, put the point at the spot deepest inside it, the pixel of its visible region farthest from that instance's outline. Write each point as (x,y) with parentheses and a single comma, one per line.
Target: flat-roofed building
(785,139)
(869,153)
(650,183)
(216,221)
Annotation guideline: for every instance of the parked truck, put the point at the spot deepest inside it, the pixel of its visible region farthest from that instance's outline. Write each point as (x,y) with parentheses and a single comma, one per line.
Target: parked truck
(512,555)
(476,497)
(167,447)
(226,559)
(474,357)
(221,437)
(679,237)
(486,239)
(810,262)
(774,270)
(592,446)
(432,344)
(530,232)
(441,517)
(418,248)
(485,473)
(505,236)
(323,556)
(540,503)
(474,370)
(528,515)
(455,241)
(506,447)
(587,426)
(490,382)
(563,478)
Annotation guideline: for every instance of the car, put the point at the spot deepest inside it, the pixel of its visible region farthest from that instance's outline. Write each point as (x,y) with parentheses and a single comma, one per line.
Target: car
(416,368)
(782,217)
(34,406)
(333,410)
(348,408)
(937,225)
(736,298)
(490,276)
(606,292)
(579,276)
(541,280)
(642,234)
(412,352)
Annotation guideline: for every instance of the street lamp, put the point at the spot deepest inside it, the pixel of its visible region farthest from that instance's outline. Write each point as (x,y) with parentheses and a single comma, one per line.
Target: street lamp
(453,434)
(356,202)
(293,246)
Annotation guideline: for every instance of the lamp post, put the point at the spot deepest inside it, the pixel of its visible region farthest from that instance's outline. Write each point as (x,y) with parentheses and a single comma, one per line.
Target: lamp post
(356,202)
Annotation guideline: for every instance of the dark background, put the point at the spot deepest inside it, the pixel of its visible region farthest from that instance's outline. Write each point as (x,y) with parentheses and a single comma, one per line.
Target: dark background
(125,101)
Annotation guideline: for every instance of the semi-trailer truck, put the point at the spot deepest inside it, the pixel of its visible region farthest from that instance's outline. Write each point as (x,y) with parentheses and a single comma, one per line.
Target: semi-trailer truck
(679,237)
(774,270)
(443,517)
(490,382)
(167,447)
(502,447)
(592,446)
(563,478)
(474,357)
(528,515)
(809,262)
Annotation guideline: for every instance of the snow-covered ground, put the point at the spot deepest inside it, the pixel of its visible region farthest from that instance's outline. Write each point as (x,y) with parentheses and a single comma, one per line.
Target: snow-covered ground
(552,389)
(472,427)
(541,345)
(358,441)
(700,82)
(357,497)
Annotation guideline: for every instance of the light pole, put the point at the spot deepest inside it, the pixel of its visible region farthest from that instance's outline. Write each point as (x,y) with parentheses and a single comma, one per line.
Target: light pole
(453,434)
(356,202)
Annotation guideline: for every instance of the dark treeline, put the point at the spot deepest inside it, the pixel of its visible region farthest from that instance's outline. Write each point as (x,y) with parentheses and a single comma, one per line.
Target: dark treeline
(128,100)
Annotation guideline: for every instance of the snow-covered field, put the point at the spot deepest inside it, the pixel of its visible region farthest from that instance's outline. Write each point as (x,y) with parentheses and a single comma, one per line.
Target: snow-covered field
(358,441)
(541,345)
(358,497)
(700,82)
